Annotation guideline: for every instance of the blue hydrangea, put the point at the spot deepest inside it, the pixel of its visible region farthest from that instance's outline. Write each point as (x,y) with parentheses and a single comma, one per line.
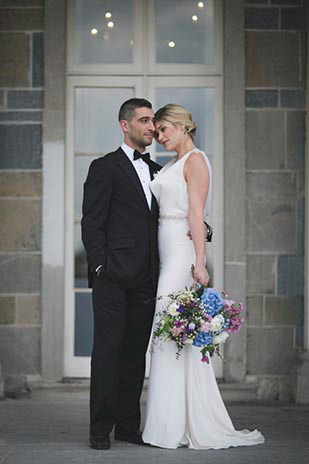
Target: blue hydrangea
(202,339)
(212,301)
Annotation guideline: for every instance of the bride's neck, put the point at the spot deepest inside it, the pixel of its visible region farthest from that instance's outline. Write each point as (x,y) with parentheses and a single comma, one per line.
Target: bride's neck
(184,146)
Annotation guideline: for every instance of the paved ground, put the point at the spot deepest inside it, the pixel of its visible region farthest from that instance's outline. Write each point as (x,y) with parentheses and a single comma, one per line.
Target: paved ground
(52,428)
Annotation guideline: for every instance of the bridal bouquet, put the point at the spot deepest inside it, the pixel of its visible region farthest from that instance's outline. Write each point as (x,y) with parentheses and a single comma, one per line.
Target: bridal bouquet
(199,316)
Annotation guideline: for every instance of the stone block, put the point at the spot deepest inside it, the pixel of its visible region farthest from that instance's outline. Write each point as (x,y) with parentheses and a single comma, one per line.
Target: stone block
(261,274)
(20,273)
(280,310)
(20,350)
(268,388)
(16,387)
(235,281)
(21,226)
(293,19)
(28,309)
(285,389)
(19,19)
(301,226)
(12,3)
(21,146)
(7,310)
(293,98)
(31,116)
(1,99)
(286,2)
(254,310)
(302,378)
(20,184)
(25,99)
(261,98)
(37,60)
(265,139)
(299,337)
(249,2)
(270,350)
(261,18)
(271,207)
(14,59)
(272,59)
(291,275)
(295,139)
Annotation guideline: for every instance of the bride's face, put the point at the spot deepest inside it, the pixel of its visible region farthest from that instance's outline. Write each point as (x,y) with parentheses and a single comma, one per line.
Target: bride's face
(168,134)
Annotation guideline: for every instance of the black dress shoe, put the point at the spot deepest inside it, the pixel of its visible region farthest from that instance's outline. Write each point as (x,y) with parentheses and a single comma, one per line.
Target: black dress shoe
(100,442)
(131,437)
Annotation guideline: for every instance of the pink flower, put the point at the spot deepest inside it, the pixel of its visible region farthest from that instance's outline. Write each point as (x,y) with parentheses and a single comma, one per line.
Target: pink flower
(205,359)
(206,327)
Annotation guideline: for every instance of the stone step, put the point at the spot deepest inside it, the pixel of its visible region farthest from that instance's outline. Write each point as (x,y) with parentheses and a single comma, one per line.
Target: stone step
(79,388)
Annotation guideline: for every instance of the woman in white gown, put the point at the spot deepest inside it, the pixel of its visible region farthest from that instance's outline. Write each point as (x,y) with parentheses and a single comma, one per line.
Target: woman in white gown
(184,405)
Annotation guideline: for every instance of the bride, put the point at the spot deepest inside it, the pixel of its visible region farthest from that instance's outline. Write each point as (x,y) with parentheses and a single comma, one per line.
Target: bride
(184,405)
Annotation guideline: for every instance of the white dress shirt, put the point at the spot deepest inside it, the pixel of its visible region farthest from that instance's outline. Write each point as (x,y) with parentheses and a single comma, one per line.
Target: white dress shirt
(142,170)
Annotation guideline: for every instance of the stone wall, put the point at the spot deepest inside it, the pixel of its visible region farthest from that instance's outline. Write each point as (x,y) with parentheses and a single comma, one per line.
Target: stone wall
(275,146)
(21,109)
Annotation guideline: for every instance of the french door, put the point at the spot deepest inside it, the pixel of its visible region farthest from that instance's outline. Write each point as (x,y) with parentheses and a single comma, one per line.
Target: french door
(94,96)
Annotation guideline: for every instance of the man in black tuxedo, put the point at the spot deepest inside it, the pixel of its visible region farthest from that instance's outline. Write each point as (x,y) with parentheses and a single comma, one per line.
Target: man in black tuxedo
(119,232)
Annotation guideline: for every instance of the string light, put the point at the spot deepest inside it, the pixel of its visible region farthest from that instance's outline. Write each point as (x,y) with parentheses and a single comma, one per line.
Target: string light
(108,15)
(110,24)
(200,4)
(94,31)
(194,18)
(171,44)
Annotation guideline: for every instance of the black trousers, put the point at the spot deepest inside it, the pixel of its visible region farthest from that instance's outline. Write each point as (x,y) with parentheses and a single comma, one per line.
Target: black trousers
(122,326)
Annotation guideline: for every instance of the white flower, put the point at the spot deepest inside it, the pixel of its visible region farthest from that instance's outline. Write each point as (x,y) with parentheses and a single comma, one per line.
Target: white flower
(186,296)
(217,322)
(172,309)
(220,338)
(189,341)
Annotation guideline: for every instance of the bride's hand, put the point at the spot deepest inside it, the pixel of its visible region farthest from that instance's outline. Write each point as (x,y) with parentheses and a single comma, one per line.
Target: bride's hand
(201,275)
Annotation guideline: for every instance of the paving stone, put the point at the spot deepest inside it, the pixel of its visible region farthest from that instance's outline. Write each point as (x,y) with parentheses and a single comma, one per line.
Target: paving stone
(293,19)
(295,139)
(20,273)
(254,310)
(265,139)
(28,309)
(25,99)
(272,59)
(261,273)
(261,18)
(280,310)
(7,310)
(20,350)
(270,350)
(291,275)
(18,19)
(20,184)
(37,60)
(14,59)
(21,146)
(32,116)
(261,98)
(293,98)
(271,207)
(21,226)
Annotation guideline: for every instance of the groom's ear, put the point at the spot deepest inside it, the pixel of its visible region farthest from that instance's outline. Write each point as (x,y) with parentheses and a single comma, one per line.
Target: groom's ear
(124,125)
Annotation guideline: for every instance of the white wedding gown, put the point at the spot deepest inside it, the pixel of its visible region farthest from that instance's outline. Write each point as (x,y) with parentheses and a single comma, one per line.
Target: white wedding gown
(184,405)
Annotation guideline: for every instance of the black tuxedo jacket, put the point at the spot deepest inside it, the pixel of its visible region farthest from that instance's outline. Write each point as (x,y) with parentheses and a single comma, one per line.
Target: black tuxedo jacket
(119,231)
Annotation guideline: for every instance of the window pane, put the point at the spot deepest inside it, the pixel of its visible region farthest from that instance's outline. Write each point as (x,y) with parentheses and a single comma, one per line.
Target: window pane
(83,330)
(97,129)
(184,31)
(104,31)
(81,279)
(200,102)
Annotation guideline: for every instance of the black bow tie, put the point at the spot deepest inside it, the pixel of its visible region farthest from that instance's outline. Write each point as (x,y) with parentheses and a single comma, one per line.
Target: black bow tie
(145,156)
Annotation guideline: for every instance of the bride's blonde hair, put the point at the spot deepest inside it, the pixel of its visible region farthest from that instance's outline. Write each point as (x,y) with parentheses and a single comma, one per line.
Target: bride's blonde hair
(177,114)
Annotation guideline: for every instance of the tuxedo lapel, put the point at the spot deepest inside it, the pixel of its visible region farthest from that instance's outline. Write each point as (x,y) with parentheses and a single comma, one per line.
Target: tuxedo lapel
(128,168)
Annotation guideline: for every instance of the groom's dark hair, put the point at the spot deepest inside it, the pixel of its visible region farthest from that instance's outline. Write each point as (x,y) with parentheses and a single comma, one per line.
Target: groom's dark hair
(128,107)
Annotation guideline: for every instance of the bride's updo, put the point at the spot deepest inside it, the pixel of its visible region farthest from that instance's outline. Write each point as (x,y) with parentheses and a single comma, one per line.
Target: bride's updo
(177,114)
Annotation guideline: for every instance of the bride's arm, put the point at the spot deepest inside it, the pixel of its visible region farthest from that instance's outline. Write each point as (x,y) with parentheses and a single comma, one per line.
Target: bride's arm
(197,178)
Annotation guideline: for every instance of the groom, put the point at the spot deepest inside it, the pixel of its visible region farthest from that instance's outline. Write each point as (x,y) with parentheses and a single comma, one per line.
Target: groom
(119,232)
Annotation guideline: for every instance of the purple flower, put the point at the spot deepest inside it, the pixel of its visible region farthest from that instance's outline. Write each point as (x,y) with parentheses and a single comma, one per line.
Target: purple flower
(191,327)
(181,309)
